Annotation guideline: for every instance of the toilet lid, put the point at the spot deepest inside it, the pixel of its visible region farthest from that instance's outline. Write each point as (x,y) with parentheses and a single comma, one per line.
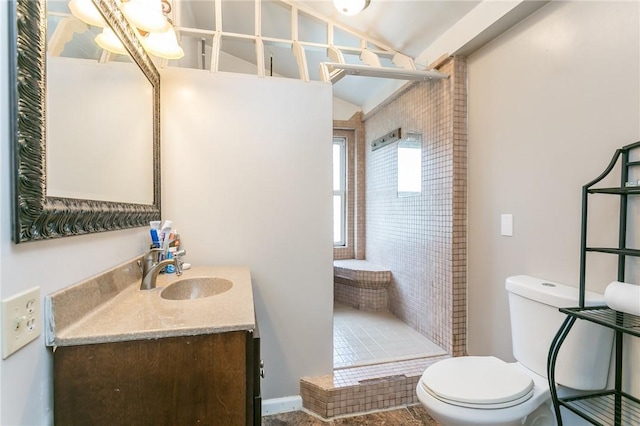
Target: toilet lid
(477,382)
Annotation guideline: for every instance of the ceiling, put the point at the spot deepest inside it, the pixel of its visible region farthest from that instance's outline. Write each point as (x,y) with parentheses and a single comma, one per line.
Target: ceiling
(406,26)
(422,29)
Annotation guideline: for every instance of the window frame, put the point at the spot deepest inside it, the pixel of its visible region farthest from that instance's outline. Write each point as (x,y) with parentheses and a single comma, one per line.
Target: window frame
(341,141)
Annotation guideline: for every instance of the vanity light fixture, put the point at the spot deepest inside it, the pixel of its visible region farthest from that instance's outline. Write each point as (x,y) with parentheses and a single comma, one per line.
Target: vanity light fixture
(150,17)
(147,15)
(87,12)
(164,45)
(108,40)
(351,7)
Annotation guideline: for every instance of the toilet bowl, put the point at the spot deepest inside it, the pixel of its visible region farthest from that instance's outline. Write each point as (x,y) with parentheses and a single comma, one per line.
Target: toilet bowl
(484,390)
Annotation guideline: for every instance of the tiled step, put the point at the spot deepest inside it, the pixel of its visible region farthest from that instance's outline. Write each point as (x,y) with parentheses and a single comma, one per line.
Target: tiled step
(361,389)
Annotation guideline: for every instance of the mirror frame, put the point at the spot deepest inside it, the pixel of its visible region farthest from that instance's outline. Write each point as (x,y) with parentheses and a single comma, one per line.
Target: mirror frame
(35,215)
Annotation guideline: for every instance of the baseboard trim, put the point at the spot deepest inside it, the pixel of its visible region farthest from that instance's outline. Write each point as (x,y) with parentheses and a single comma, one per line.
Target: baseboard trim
(281,405)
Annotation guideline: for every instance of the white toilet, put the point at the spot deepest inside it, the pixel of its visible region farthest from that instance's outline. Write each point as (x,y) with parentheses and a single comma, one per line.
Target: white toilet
(488,391)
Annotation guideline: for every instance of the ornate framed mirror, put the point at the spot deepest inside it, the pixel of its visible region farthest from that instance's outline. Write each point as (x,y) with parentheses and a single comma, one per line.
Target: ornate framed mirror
(37,215)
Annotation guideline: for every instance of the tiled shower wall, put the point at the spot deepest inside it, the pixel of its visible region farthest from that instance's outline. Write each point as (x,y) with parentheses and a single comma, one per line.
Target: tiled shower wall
(422,239)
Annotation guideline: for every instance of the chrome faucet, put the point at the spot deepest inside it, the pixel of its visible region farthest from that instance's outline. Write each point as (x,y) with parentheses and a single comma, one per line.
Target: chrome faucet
(150,258)
(151,267)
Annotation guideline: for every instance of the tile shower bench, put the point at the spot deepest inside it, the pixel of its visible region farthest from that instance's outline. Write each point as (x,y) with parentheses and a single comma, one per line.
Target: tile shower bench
(361,284)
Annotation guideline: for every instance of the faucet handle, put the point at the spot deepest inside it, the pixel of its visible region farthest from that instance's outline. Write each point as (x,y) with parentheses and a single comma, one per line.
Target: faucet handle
(177,261)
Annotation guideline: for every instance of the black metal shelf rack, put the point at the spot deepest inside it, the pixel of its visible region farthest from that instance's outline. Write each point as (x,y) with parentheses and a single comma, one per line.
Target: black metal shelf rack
(619,321)
(606,408)
(610,407)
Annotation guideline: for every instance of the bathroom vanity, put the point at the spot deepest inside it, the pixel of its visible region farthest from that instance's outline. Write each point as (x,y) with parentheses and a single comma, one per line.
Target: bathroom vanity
(123,355)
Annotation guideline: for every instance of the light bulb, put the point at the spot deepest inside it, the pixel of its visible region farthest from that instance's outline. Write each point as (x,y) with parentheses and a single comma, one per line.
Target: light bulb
(108,40)
(87,12)
(145,14)
(164,45)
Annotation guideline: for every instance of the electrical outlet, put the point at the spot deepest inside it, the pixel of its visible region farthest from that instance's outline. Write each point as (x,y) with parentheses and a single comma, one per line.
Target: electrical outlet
(20,320)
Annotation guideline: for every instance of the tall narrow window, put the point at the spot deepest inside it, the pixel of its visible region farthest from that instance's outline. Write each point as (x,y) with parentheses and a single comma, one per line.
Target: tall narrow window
(339,191)
(410,165)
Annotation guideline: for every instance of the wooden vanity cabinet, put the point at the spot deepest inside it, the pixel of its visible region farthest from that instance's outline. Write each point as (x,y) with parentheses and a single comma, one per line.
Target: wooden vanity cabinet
(206,380)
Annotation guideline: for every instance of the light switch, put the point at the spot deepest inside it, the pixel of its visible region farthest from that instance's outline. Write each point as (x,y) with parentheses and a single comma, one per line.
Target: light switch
(506,225)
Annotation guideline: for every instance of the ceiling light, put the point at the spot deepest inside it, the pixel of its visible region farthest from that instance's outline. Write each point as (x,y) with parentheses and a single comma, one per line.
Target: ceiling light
(351,7)
(87,12)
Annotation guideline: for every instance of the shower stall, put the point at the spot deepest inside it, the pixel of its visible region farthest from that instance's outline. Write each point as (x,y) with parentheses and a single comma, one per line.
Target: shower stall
(415,232)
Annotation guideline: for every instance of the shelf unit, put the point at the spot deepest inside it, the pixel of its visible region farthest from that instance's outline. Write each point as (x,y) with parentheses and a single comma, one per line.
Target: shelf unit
(609,407)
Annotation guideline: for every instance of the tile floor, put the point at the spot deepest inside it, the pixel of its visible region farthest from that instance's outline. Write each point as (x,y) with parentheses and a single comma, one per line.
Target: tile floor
(414,415)
(374,337)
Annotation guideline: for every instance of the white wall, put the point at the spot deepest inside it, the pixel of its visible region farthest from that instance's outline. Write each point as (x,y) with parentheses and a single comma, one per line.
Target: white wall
(256,144)
(343,110)
(247,180)
(26,377)
(549,102)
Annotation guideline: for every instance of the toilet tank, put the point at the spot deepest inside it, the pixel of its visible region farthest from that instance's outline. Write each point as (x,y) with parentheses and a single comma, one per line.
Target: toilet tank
(584,358)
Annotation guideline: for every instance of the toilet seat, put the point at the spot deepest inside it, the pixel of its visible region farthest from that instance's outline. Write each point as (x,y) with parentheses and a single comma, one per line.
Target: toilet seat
(477,382)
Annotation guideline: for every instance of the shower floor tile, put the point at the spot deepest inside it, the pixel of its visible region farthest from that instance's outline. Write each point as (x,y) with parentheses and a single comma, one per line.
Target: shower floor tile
(375,337)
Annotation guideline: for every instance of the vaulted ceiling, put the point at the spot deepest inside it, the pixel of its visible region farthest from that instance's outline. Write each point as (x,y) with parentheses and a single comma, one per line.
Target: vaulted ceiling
(408,27)
(311,40)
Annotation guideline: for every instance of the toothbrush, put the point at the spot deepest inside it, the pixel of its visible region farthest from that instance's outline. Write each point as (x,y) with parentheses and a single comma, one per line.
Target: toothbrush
(155,240)
(164,233)
(168,237)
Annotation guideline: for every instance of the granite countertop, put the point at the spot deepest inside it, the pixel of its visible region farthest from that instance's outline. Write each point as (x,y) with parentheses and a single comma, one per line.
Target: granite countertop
(111,308)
